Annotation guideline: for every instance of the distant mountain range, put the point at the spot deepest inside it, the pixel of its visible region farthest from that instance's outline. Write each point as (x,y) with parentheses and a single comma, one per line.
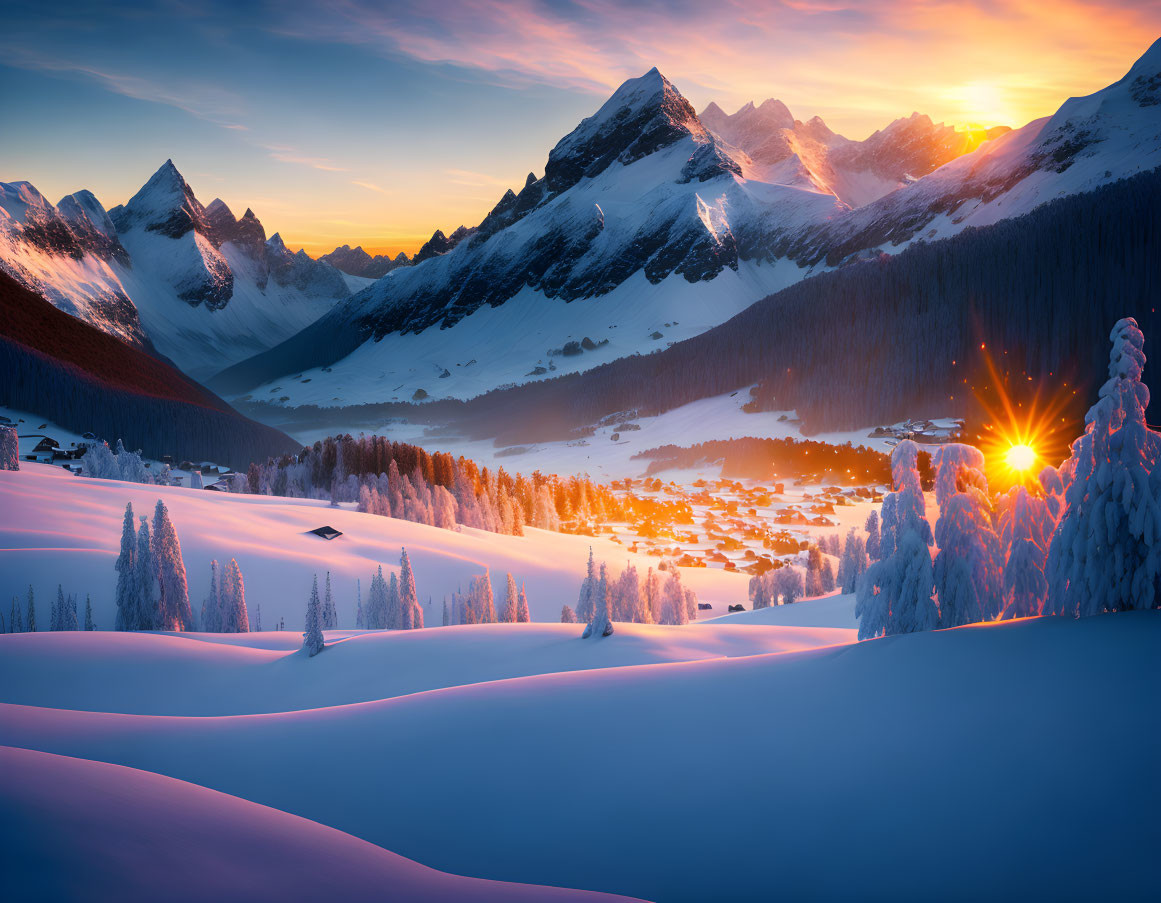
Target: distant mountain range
(203,287)
(651,225)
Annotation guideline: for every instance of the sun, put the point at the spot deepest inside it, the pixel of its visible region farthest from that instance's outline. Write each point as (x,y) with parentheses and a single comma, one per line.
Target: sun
(1020,457)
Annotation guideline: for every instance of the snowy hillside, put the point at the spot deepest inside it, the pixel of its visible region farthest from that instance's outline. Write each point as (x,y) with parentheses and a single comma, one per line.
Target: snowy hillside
(57,517)
(204,288)
(800,775)
(104,815)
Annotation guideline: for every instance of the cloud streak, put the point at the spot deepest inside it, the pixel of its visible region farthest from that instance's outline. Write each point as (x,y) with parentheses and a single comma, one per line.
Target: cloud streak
(863,62)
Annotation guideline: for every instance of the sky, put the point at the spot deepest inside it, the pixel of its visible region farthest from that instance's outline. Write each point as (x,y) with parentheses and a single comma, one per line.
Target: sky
(376,123)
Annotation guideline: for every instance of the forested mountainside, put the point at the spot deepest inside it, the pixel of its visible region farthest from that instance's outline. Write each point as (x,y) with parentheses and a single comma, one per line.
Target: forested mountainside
(87,380)
(878,340)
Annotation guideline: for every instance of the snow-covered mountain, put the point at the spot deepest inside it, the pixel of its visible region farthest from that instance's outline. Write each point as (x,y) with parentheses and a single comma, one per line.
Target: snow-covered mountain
(637,206)
(1090,141)
(204,288)
(652,224)
(779,148)
(357,262)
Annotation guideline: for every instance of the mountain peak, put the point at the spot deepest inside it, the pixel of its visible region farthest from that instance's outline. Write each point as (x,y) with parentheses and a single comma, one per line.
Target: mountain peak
(164,204)
(643,115)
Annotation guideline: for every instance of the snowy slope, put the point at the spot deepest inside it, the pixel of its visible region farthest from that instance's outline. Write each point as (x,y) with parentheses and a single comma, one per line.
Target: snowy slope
(195,674)
(962,764)
(68,254)
(204,288)
(201,845)
(60,528)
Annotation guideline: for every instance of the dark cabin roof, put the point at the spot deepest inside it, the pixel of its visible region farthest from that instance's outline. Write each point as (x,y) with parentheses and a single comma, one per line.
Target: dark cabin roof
(327,532)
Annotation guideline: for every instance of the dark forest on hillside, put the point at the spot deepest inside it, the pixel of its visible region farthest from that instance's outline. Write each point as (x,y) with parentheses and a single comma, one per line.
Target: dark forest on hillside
(69,372)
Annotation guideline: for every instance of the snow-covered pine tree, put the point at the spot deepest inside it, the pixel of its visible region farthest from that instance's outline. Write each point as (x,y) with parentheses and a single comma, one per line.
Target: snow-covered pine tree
(1106,552)
(173,603)
(312,638)
(89,625)
(968,570)
(14,621)
(673,604)
(853,562)
(895,594)
(9,449)
(408,598)
(212,604)
(601,624)
(394,608)
(826,576)
(630,603)
(584,605)
(1025,528)
(872,528)
(522,614)
(482,602)
(69,619)
(654,594)
(258,618)
(446,622)
(508,611)
(376,611)
(814,572)
(330,615)
(235,618)
(567,615)
(787,585)
(126,595)
(360,617)
(145,613)
(30,616)
(56,616)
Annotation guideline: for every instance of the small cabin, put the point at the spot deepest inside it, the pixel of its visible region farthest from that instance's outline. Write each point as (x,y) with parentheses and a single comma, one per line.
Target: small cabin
(326,532)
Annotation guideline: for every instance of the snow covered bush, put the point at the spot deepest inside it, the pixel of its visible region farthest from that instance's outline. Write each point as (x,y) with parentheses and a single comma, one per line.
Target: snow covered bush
(1106,552)
(98,461)
(9,449)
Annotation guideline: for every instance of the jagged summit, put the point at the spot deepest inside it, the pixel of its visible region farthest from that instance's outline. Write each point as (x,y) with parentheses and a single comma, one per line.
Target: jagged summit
(644,115)
(165,204)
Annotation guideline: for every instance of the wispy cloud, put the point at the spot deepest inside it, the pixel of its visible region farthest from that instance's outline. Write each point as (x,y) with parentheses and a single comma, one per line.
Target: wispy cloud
(284,154)
(208,102)
(907,54)
(370,186)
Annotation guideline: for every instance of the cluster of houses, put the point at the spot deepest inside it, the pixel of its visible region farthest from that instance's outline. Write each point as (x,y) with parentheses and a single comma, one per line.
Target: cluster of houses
(925,432)
(48,450)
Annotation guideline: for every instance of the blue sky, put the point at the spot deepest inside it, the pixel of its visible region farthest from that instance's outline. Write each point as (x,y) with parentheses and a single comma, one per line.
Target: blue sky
(375,123)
